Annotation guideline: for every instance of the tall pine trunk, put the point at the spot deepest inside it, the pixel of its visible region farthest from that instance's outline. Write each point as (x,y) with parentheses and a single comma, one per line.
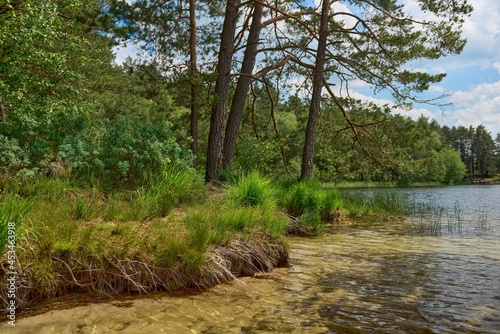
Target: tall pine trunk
(218,117)
(3,111)
(194,80)
(242,87)
(308,152)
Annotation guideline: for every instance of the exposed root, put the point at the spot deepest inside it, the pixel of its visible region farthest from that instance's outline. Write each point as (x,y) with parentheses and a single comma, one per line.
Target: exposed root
(297,228)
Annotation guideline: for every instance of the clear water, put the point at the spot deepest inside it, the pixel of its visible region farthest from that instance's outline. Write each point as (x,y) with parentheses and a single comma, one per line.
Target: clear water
(379,279)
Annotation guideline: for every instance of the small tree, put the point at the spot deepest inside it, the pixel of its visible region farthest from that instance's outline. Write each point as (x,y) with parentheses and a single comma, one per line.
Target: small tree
(455,168)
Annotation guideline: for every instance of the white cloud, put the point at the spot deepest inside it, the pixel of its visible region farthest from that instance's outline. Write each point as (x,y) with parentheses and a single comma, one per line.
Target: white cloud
(479,105)
(417,113)
(482,32)
(437,89)
(414,113)
(123,52)
(497,66)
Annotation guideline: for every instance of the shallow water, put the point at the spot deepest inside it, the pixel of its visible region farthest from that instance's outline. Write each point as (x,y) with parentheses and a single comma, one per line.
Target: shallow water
(385,279)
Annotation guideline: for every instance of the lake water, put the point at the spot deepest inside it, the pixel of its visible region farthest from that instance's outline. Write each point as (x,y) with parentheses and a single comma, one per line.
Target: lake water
(391,278)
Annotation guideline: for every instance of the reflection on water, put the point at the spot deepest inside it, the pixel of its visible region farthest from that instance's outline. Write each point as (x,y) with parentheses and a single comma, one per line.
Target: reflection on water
(354,280)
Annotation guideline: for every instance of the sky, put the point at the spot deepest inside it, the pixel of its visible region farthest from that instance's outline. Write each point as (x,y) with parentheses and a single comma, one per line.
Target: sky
(472,78)
(472,81)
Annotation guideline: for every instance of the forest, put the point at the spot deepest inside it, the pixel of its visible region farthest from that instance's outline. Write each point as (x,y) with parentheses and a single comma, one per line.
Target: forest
(227,87)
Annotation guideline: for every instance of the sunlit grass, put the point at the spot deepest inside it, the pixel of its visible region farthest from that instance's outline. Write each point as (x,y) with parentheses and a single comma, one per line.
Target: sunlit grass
(252,190)
(12,212)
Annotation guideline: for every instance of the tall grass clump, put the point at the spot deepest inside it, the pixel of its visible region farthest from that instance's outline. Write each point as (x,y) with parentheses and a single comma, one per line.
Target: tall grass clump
(310,203)
(163,192)
(363,203)
(212,225)
(252,190)
(12,211)
(308,196)
(252,203)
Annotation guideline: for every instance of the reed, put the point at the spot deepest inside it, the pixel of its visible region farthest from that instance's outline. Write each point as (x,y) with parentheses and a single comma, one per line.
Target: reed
(378,203)
(433,219)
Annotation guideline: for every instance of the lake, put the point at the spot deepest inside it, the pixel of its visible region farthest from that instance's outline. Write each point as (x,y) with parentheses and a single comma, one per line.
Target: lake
(390,278)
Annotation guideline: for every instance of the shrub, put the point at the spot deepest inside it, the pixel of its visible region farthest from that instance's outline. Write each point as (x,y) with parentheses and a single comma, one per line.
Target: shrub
(122,151)
(13,157)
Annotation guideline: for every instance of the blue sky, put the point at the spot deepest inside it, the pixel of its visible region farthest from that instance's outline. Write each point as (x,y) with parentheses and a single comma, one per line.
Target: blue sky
(473,77)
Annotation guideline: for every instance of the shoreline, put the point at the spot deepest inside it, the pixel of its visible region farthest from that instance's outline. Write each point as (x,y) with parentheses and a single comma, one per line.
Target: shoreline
(222,264)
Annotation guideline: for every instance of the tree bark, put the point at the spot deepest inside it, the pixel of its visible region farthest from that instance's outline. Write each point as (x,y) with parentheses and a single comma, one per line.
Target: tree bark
(217,119)
(308,152)
(194,80)
(242,87)
(3,111)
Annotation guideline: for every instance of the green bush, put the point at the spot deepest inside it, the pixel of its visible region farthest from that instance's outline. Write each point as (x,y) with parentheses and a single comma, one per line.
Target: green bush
(122,151)
(259,154)
(13,157)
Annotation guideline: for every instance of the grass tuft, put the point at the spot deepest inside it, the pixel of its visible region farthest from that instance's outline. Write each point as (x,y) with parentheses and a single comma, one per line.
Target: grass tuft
(252,190)
(12,212)
(309,199)
(167,190)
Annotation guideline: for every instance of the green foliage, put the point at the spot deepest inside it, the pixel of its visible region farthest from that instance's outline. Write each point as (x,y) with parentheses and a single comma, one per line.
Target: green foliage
(36,49)
(455,168)
(48,50)
(13,157)
(121,150)
(258,154)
